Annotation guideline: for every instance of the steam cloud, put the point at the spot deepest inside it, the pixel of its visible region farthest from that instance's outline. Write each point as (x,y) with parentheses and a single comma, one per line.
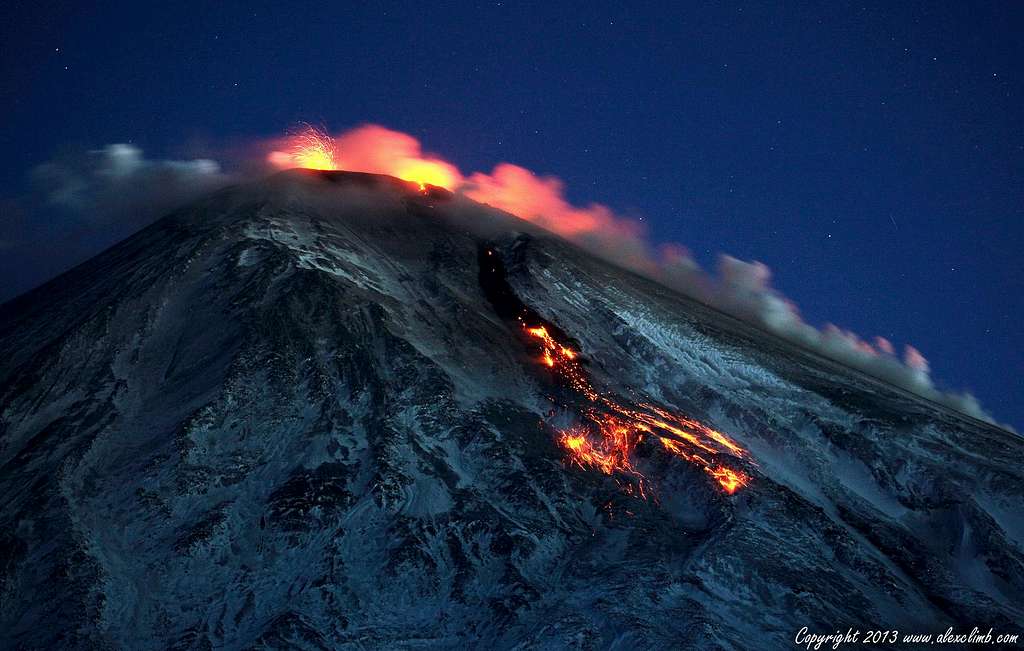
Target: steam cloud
(118,184)
(85,201)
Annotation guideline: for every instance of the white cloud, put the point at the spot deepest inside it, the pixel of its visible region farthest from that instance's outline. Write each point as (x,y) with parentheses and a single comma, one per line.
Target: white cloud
(744,290)
(119,183)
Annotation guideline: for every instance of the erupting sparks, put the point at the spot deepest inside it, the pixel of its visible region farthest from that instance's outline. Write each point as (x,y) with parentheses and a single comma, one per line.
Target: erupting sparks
(612,430)
(369,148)
(311,148)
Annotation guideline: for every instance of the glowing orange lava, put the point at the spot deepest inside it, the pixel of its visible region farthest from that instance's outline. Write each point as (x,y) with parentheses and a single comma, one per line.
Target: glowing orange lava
(562,358)
(612,430)
(424,172)
(730,480)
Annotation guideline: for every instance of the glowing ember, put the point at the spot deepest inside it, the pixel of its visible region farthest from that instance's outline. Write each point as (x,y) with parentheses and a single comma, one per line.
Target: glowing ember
(730,480)
(613,430)
(563,359)
(606,458)
(609,452)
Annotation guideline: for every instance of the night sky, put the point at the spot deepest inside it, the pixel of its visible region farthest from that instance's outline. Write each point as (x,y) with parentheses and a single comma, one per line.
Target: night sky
(871,155)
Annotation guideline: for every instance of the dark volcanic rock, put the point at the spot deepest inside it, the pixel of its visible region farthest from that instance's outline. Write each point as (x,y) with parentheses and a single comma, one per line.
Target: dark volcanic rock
(296,415)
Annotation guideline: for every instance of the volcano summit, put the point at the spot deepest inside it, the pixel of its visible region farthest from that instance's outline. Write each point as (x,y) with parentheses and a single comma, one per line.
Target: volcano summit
(333,410)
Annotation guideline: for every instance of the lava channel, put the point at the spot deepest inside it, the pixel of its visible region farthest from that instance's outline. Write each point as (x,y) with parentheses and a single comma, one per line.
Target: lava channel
(610,429)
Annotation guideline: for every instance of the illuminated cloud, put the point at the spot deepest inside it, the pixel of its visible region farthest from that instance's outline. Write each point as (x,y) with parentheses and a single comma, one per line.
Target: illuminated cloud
(368,148)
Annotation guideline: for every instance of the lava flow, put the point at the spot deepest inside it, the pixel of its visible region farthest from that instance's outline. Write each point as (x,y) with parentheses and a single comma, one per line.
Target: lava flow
(614,430)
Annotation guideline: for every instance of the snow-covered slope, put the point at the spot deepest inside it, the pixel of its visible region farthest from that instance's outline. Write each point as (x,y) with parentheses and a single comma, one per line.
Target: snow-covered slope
(290,416)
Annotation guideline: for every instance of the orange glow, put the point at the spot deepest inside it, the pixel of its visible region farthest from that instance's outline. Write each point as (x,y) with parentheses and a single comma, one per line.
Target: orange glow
(309,148)
(369,148)
(512,188)
(607,456)
(612,430)
(425,172)
(373,148)
(609,452)
(730,480)
(541,199)
(562,358)
(379,150)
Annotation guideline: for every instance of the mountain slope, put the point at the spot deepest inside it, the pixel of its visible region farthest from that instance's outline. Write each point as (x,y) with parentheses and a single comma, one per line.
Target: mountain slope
(303,413)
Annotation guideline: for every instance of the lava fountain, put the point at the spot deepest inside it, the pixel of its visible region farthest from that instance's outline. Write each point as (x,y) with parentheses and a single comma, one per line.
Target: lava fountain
(308,148)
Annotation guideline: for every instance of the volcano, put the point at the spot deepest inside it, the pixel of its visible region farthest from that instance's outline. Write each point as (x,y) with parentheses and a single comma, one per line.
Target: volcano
(338,410)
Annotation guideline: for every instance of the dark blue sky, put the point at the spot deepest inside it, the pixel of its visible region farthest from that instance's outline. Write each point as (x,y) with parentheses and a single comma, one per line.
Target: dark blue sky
(872,155)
